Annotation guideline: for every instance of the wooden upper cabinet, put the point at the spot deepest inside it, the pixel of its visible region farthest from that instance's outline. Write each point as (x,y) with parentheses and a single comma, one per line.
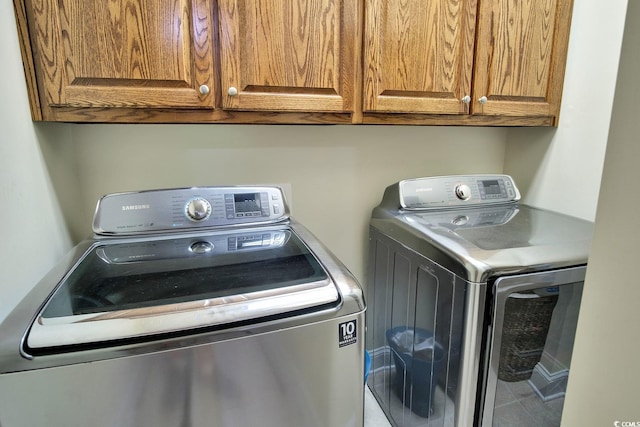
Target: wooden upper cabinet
(296,61)
(123,53)
(288,55)
(520,57)
(418,55)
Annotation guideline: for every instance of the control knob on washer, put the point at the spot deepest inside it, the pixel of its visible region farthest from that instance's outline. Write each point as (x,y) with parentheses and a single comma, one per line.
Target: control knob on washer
(460,220)
(200,248)
(198,209)
(463,192)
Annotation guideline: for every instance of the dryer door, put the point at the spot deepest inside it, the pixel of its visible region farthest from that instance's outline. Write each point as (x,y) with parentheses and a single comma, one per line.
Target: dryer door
(534,324)
(416,319)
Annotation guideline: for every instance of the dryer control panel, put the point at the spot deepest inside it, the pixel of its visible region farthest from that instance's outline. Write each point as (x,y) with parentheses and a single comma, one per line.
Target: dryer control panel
(184,209)
(443,192)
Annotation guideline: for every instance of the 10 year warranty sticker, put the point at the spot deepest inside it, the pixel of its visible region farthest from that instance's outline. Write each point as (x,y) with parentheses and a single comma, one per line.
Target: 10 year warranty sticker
(347,333)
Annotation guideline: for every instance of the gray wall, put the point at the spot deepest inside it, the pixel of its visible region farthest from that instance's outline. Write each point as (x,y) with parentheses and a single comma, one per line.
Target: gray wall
(32,227)
(604,379)
(335,174)
(560,169)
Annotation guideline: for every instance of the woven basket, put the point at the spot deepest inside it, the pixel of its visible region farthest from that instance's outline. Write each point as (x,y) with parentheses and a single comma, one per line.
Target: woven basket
(526,324)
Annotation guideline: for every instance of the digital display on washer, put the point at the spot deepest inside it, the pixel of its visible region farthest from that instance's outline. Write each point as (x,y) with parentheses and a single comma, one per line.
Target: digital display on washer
(247,205)
(491,186)
(247,202)
(492,189)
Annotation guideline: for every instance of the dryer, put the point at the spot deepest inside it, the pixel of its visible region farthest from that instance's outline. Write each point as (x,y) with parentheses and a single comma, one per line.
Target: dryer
(473,303)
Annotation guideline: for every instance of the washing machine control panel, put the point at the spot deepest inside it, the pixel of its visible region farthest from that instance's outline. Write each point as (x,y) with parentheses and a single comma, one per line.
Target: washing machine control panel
(185,209)
(456,190)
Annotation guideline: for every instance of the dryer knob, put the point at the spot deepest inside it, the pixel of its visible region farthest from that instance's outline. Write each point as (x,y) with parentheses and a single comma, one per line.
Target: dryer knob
(463,192)
(198,209)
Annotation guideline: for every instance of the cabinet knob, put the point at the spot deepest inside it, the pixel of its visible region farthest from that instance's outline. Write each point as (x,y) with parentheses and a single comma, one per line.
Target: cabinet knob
(204,89)
(466,99)
(232,91)
(482,100)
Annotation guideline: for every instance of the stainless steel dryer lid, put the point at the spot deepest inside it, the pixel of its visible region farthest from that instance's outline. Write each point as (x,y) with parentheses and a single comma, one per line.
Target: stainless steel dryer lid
(476,241)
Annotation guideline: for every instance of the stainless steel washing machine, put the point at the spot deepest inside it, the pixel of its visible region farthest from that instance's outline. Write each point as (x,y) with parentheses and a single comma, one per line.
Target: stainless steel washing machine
(201,306)
(473,303)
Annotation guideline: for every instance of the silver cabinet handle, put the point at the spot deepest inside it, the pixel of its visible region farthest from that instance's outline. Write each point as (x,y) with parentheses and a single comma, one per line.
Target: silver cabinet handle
(466,99)
(482,100)
(232,91)
(204,89)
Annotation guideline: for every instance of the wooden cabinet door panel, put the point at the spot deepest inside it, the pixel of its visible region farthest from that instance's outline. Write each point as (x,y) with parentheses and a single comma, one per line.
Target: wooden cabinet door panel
(288,55)
(520,57)
(418,55)
(125,53)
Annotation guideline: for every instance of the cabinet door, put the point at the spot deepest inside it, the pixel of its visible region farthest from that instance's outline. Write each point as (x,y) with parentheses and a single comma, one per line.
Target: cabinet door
(520,57)
(124,53)
(418,55)
(288,55)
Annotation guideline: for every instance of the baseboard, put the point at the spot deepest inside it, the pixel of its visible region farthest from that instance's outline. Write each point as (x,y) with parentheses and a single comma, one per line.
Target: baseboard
(549,385)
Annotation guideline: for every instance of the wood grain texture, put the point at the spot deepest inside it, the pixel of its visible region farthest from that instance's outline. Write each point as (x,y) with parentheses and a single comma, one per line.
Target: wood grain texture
(520,56)
(564,14)
(356,117)
(156,115)
(450,120)
(295,61)
(27,60)
(124,53)
(288,54)
(418,55)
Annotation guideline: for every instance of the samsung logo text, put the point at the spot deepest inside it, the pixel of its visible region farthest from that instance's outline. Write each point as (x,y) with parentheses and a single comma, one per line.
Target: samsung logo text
(135,207)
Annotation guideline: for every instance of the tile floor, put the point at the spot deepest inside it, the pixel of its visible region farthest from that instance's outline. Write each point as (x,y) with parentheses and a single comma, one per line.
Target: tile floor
(516,405)
(373,415)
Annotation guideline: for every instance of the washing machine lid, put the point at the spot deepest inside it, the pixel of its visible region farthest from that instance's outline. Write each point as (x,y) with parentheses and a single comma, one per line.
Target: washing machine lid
(142,287)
